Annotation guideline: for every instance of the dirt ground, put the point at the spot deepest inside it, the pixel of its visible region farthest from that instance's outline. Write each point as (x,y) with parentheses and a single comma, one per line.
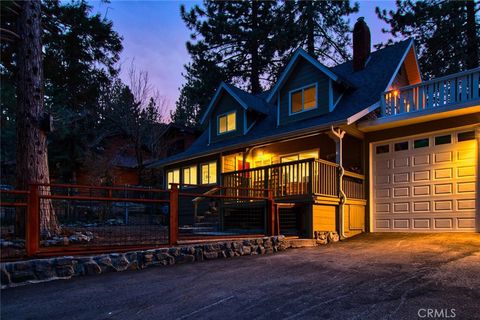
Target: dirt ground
(372,276)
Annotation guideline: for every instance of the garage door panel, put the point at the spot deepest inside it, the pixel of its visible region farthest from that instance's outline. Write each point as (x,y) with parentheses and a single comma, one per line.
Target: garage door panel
(443,157)
(466,223)
(428,188)
(421,206)
(421,160)
(466,172)
(422,175)
(421,190)
(466,204)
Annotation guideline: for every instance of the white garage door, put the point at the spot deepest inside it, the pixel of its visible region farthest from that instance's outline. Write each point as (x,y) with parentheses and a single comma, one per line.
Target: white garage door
(425,183)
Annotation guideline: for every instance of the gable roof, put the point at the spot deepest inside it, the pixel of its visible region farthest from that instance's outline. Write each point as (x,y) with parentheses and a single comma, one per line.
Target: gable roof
(367,85)
(246,100)
(299,53)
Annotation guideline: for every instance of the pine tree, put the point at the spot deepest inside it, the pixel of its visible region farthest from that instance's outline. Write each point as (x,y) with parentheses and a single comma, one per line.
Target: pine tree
(81,50)
(446,33)
(322,29)
(232,41)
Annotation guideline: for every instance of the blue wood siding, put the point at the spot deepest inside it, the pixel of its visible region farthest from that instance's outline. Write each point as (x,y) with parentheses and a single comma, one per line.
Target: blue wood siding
(304,74)
(226,104)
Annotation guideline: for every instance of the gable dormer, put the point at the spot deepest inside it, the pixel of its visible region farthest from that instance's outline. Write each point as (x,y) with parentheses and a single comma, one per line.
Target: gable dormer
(231,113)
(305,89)
(408,71)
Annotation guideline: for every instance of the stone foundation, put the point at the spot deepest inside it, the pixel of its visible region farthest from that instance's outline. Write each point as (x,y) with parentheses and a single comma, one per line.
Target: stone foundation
(39,270)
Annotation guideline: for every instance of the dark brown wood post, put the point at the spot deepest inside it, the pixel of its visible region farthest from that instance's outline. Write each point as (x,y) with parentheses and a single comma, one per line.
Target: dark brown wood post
(33,221)
(173,227)
(271,213)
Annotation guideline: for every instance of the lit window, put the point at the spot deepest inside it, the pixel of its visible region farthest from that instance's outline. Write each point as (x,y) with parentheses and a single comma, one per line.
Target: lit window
(465,136)
(443,140)
(227,122)
(303,99)
(421,143)
(190,175)
(173,176)
(209,173)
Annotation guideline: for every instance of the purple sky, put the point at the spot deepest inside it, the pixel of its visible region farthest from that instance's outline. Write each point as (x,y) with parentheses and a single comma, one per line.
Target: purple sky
(154,37)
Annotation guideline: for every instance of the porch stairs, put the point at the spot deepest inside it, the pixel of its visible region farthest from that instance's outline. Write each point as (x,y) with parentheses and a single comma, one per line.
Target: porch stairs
(206,222)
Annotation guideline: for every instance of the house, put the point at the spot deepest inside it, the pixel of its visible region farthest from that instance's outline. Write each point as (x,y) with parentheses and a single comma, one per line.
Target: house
(362,146)
(114,160)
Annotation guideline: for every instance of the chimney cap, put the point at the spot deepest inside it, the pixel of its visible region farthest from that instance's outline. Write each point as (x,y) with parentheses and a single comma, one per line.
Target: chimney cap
(361,19)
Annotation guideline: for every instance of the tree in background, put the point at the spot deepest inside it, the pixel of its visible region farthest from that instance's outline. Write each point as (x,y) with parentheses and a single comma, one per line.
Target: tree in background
(446,33)
(136,110)
(81,52)
(247,43)
(202,77)
(233,41)
(322,29)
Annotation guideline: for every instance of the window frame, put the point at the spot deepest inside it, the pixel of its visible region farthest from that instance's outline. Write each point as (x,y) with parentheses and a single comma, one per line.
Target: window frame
(173,177)
(208,166)
(226,114)
(464,139)
(189,176)
(302,89)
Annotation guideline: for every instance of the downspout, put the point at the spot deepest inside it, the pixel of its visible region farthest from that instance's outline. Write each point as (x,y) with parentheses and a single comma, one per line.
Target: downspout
(338,137)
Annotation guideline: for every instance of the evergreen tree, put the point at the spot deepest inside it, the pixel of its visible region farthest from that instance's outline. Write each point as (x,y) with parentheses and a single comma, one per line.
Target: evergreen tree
(232,41)
(446,33)
(247,43)
(322,29)
(202,79)
(80,55)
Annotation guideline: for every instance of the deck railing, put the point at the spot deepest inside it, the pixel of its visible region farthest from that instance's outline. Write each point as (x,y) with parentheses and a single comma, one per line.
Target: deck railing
(457,89)
(353,185)
(303,177)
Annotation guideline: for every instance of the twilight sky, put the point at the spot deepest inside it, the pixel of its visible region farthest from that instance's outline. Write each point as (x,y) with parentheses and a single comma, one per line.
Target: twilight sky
(154,37)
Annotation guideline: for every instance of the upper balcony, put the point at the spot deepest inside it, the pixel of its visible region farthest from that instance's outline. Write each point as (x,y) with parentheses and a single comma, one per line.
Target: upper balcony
(456,91)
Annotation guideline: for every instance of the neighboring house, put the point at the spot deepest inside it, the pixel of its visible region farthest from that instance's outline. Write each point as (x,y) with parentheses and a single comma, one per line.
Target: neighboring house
(408,149)
(113,163)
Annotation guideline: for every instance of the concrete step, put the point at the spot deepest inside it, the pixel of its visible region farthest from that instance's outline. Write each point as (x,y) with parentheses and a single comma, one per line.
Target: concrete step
(301,243)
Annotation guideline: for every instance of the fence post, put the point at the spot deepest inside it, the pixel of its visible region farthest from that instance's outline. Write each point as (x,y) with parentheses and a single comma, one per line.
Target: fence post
(173,226)
(271,214)
(32,239)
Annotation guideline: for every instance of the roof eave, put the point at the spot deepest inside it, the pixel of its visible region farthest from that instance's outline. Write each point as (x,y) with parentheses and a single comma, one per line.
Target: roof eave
(253,142)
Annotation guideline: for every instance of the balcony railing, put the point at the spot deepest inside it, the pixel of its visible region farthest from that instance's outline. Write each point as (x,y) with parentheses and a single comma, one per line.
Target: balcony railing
(304,177)
(456,89)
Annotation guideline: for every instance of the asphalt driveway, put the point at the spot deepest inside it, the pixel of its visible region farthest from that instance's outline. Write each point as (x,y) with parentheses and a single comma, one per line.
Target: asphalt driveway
(374,276)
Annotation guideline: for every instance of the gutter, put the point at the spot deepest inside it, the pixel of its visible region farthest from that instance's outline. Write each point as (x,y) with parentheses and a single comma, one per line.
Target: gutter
(338,137)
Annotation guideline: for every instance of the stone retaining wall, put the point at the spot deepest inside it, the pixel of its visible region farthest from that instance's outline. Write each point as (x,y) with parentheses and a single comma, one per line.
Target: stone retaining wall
(32,271)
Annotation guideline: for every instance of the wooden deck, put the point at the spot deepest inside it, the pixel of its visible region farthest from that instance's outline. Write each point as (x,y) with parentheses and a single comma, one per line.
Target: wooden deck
(297,180)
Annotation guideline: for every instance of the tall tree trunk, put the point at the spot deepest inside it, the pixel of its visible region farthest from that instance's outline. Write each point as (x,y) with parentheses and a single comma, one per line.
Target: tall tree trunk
(255,72)
(32,158)
(472,41)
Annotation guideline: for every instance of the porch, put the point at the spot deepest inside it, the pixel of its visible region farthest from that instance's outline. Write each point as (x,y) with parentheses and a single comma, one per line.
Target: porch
(305,180)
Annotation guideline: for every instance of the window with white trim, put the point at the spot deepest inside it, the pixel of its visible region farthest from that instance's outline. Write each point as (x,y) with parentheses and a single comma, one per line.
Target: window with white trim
(303,99)
(227,122)
(173,176)
(209,173)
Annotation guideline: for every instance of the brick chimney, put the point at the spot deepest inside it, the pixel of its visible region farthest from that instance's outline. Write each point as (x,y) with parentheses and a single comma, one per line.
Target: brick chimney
(361,44)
